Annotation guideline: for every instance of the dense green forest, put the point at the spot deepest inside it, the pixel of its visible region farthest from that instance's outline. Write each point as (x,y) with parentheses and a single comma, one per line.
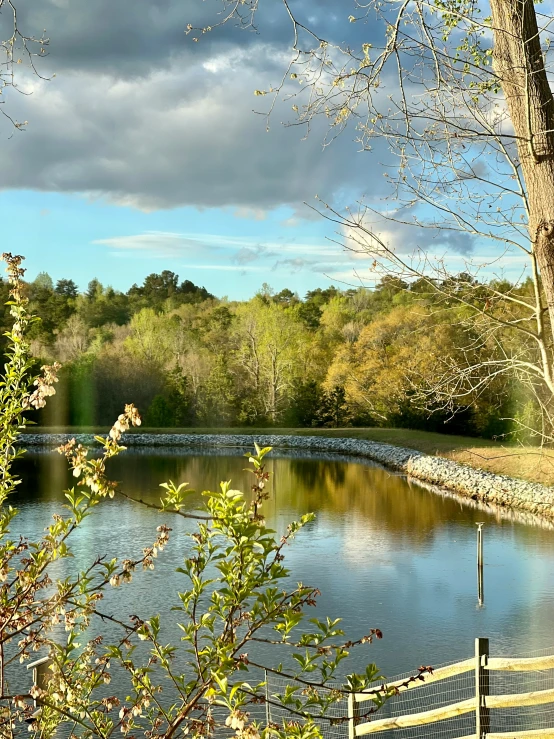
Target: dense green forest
(331,358)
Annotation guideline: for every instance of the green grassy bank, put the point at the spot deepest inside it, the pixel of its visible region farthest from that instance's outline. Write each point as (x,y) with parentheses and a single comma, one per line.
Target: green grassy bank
(528,463)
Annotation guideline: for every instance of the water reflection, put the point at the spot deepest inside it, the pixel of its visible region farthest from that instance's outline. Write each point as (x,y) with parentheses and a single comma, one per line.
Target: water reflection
(384,551)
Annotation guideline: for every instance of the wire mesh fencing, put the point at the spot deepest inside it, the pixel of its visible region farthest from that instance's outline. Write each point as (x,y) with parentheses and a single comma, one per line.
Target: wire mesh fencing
(502,697)
(536,683)
(428,695)
(482,696)
(333,726)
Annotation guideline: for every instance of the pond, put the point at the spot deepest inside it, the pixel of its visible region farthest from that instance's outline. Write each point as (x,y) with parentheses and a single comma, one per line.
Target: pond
(385,552)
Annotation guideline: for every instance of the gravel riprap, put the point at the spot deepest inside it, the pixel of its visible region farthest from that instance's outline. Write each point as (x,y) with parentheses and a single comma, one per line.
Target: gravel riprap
(467,481)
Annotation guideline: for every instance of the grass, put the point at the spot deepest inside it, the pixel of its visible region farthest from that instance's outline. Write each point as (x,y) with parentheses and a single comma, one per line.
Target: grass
(528,463)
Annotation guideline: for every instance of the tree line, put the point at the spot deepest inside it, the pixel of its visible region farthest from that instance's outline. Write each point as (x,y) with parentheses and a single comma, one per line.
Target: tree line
(352,357)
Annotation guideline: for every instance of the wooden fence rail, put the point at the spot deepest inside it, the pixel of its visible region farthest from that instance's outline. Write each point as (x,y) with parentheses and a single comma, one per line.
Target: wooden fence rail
(481,704)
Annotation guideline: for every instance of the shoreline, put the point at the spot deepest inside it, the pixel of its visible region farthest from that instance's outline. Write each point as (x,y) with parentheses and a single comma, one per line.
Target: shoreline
(470,482)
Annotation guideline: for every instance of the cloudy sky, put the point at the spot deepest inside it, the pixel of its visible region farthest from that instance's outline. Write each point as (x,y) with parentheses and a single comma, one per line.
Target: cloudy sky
(143,153)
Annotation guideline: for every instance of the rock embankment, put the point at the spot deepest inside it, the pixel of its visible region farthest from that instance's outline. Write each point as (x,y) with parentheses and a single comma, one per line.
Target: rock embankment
(473,483)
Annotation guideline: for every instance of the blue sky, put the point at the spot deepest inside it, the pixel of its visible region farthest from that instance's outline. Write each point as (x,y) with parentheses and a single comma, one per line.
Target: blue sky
(227,252)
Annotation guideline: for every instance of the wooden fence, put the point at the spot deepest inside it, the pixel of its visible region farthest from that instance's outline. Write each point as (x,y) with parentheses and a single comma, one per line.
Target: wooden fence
(481,705)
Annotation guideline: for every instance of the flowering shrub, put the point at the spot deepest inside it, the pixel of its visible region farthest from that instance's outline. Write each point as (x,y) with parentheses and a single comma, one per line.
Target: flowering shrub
(236,598)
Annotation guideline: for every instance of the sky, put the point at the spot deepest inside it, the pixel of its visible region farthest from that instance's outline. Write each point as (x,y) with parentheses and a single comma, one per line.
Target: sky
(143,152)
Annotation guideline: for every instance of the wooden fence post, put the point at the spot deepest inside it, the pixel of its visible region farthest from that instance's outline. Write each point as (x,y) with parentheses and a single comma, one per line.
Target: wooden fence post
(267,708)
(482,722)
(353,715)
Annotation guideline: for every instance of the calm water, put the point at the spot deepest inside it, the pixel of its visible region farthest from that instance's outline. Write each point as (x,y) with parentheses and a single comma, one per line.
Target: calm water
(384,552)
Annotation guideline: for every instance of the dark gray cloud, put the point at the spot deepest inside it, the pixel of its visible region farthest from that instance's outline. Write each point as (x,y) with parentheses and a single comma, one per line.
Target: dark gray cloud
(182,136)
(125,38)
(458,242)
(247,254)
(141,115)
(133,37)
(395,231)
(295,265)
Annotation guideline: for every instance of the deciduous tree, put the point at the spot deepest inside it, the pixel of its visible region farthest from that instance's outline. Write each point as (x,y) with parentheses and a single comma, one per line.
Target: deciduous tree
(457,92)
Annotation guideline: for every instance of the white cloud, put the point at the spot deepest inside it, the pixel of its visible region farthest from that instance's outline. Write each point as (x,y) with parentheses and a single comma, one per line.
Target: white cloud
(157,244)
(175,243)
(227,267)
(230,253)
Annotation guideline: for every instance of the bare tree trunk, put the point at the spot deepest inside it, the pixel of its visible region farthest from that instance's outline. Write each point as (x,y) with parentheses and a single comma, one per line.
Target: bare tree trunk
(519,63)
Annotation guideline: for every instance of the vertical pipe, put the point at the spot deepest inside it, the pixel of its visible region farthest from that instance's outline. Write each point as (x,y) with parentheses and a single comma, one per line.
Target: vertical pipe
(480,566)
(482,723)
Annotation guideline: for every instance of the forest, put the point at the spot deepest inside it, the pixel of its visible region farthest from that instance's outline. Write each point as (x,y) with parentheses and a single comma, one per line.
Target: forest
(334,357)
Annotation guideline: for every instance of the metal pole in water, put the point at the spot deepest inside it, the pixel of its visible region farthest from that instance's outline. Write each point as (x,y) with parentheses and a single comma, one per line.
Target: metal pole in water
(480,586)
